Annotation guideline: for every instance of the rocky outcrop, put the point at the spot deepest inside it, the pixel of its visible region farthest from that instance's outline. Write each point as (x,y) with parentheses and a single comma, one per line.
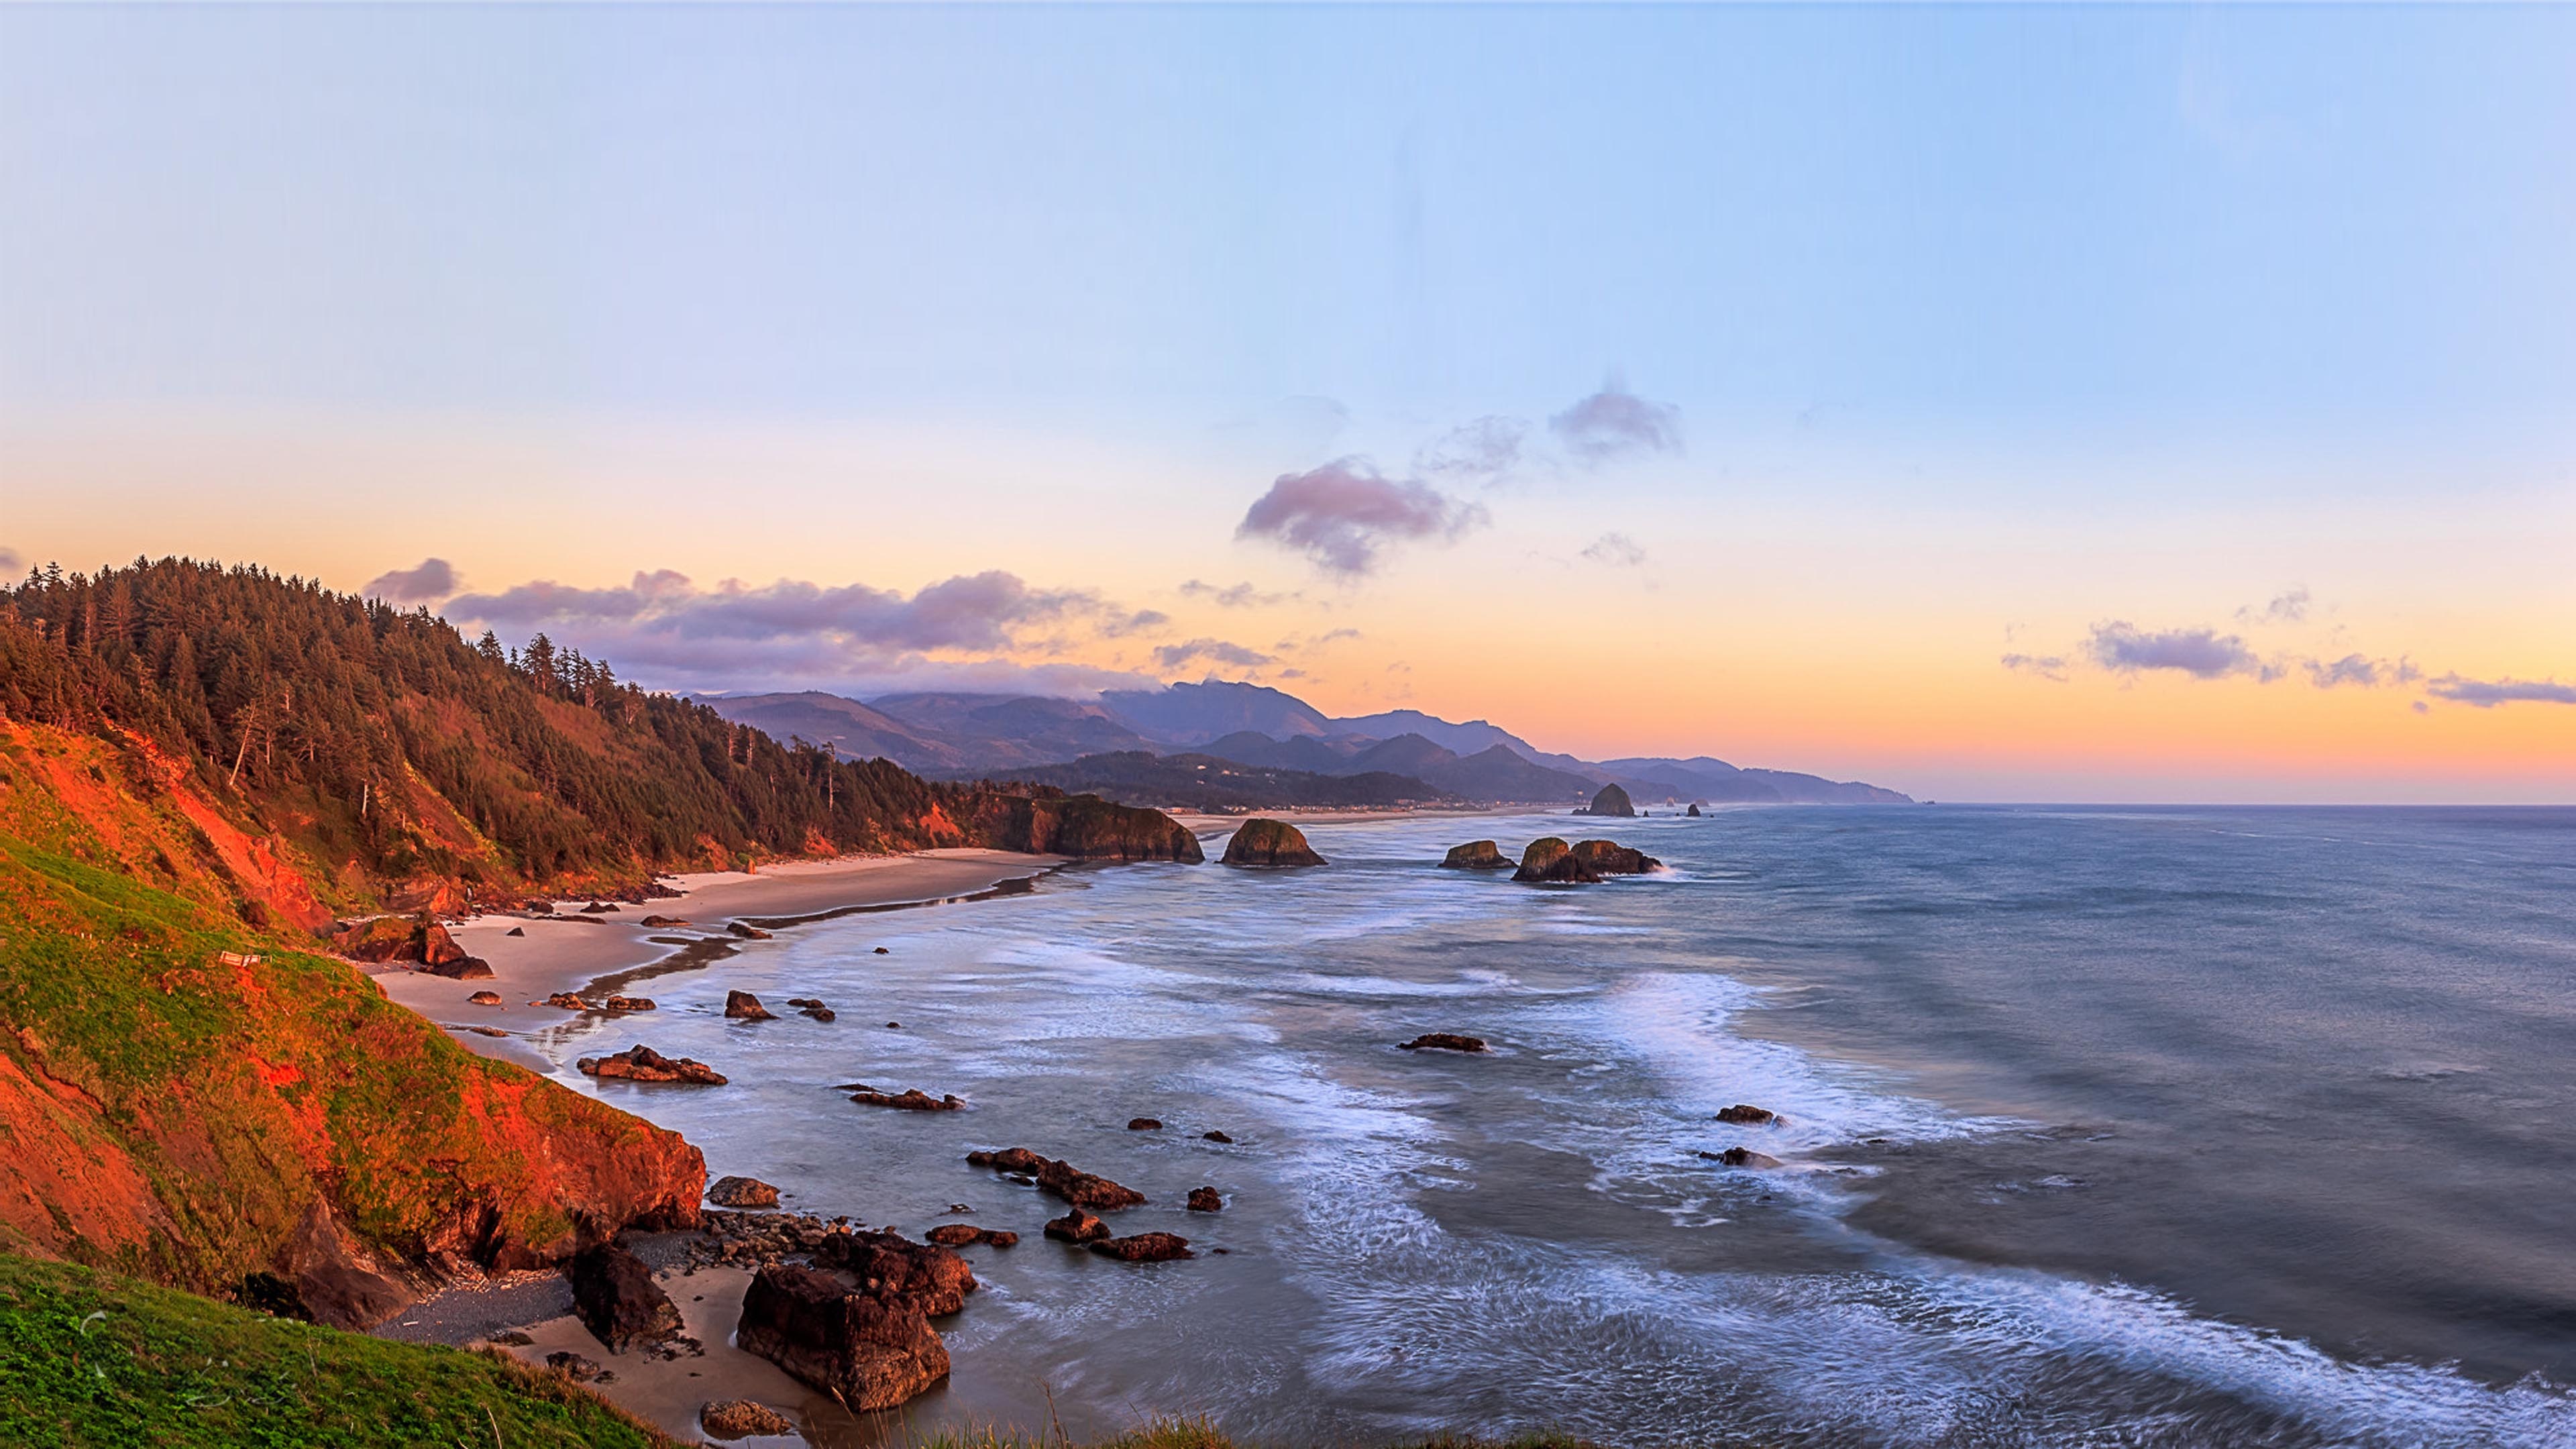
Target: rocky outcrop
(1742,1157)
(627,1003)
(1476,855)
(747,932)
(742,1192)
(964,1235)
(1145,1248)
(1264,842)
(658,923)
(921,1276)
(1206,1200)
(643,1064)
(1607,857)
(563,1001)
(463,968)
(910,1099)
(1084,827)
(1077,1226)
(1444,1041)
(867,1349)
(418,939)
(1061,1178)
(617,1299)
(1551,860)
(1745,1114)
(1610,801)
(1144,1124)
(742,1419)
(484,998)
(743,1006)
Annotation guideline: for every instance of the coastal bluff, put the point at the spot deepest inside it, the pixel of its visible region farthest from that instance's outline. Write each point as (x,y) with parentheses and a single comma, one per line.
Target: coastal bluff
(1262,842)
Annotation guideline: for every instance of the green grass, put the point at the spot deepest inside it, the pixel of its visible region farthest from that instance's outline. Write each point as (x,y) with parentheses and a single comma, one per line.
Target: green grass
(92,1360)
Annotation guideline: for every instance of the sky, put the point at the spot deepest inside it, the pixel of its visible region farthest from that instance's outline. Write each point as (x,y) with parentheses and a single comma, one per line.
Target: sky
(2115,403)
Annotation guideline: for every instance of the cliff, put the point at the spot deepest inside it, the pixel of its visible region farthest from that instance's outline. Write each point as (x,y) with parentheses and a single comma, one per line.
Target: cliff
(1084,827)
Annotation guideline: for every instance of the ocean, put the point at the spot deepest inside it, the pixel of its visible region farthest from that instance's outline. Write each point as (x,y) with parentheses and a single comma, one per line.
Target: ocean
(2103,1126)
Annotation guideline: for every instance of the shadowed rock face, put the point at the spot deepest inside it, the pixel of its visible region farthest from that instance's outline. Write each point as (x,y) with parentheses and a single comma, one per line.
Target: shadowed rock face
(1262,842)
(1551,859)
(1084,827)
(1604,857)
(1610,801)
(1476,855)
(921,1276)
(618,1300)
(868,1350)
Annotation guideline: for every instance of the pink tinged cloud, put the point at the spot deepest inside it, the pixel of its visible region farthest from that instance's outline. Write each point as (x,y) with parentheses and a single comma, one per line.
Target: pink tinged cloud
(2200,653)
(2487,694)
(1615,422)
(433,580)
(1344,515)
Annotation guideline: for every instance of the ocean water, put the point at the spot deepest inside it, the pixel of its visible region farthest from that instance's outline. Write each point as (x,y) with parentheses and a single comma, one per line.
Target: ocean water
(2103,1127)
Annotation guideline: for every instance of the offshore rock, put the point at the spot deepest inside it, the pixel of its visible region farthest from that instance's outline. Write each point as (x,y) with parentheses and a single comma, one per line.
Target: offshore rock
(962,1235)
(1551,860)
(910,1099)
(1206,1200)
(1745,1114)
(1264,842)
(643,1064)
(1144,1124)
(1145,1248)
(618,1300)
(867,1349)
(1476,855)
(1610,801)
(1082,1189)
(1445,1041)
(1077,1226)
(1084,827)
(1607,857)
(743,1006)
(1743,1157)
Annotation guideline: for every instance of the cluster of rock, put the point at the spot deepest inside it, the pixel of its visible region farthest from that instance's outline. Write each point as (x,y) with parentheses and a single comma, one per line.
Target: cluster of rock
(813,1006)
(1551,860)
(1264,842)
(910,1099)
(964,1235)
(643,1064)
(567,1001)
(419,940)
(856,1324)
(1063,1179)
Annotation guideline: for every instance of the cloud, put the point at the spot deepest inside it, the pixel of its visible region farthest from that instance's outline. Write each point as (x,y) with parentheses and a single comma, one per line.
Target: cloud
(2487,694)
(1143,621)
(10,563)
(2360,669)
(1615,550)
(1344,514)
(434,580)
(2200,653)
(1614,422)
(1484,450)
(2045,666)
(2287,608)
(1234,596)
(1218,651)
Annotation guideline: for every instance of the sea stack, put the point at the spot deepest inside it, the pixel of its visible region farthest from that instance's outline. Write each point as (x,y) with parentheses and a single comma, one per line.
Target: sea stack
(1549,858)
(1609,857)
(1611,801)
(1264,842)
(1476,855)
(1693,812)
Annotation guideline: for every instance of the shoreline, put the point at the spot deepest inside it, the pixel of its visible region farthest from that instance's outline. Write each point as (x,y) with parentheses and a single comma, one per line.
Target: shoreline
(570,950)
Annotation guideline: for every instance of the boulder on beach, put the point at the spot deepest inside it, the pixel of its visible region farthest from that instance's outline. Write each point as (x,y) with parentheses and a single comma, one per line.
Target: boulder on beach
(748,933)
(742,1419)
(1082,1189)
(1145,1248)
(1610,801)
(577,1368)
(1261,841)
(1551,860)
(1745,1114)
(618,1300)
(1206,1200)
(1476,855)
(910,1099)
(564,1000)
(419,939)
(596,908)
(463,968)
(742,1192)
(484,998)
(921,1276)
(643,1064)
(1446,1041)
(516,931)
(743,1006)
(658,922)
(1077,1226)
(1608,857)
(867,1349)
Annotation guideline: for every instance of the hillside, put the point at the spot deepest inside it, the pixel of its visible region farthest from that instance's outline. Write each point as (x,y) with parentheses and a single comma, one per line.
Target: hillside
(1206,782)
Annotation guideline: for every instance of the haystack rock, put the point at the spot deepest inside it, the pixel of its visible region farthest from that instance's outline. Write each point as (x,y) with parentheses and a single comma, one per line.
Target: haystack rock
(1693,812)
(1476,855)
(1607,857)
(869,1350)
(1610,801)
(1264,842)
(1551,859)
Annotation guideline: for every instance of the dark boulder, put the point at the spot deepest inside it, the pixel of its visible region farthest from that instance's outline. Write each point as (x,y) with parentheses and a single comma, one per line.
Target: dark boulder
(1206,1200)
(463,968)
(516,931)
(1077,1226)
(1061,1178)
(1216,1137)
(742,1419)
(484,998)
(565,1000)
(1552,860)
(1476,855)
(659,922)
(627,1003)
(743,1006)
(742,1192)
(597,908)
(962,1235)
(1445,1041)
(1610,801)
(748,933)
(1265,842)
(618,1300)
(1743,1157)
(577,1368)
(1145,1248)
(1744,1114)
(1692,812)
(867,1349)
(910,1099)
(643,1064)
(1144,1124)
(1606,857)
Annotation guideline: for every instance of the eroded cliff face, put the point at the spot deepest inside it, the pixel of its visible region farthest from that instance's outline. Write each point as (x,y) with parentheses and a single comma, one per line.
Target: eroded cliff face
(1084,827)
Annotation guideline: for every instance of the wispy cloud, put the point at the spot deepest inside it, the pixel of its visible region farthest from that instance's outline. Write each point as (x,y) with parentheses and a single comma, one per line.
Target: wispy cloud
(434,579)
(1483,451)
(1215,651)
(1236,596)
(2289,607)
(2200,653)
(1615,422)
(2488,693)
(1615,550)
(10,563)
(1344,514)
(2361,670)
(2049,666)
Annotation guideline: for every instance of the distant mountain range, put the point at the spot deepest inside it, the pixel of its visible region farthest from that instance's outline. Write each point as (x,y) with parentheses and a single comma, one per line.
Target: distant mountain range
(1220,745)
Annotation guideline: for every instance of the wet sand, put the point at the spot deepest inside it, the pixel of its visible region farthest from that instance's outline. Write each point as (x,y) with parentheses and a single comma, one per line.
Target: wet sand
(571,951)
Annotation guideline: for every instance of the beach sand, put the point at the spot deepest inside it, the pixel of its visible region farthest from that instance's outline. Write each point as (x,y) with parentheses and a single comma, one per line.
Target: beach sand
(570,951)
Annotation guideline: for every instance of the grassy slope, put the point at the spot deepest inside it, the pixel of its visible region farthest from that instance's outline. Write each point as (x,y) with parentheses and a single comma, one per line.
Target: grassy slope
(87,1359)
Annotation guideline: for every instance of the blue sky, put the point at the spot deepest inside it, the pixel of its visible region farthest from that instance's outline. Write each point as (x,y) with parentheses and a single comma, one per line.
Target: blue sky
(2110,281)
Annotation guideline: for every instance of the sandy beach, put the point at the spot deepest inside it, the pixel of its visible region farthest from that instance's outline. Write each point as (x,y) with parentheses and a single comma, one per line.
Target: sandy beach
(570,951)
